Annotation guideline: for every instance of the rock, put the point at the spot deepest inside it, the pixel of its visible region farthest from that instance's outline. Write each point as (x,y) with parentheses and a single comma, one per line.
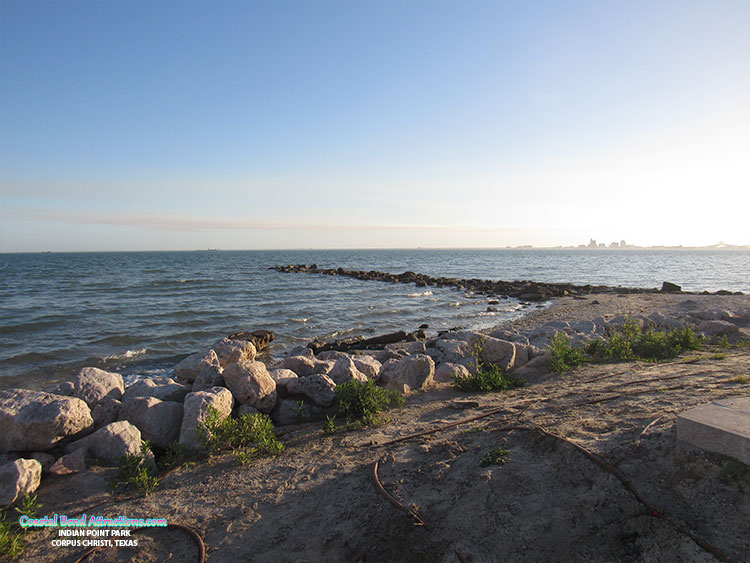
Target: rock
(718,328)
(158,421)
(510,336)
(498,352)
(408,374)
(584,327)
(210,376)
(333,355)
(320,389)
(301,365)
(345,370)
(36,421)
(461,404)
(453,351)
(190,368)
(93,384)
(385,355)
(323,367)
(521,356)
(281,374)
(66,388)
(111,442)
(535,371)
(242,410)
(301,351)
(233,351)
(44,458)
(250,383)
(444,372)
(195,409)
(74,462)
(19,478)
(669,287)
(288,411)
(261,339)
(105,412)
(162,388)
(367,365)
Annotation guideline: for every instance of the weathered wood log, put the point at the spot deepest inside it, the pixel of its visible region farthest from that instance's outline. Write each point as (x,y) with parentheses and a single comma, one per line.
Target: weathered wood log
(361,343)
(260,338)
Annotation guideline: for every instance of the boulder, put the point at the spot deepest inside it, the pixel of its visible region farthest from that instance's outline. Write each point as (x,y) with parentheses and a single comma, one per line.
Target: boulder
(320,389)
(231,351)
(669,287)
(105,412)
(282,377)
(301,365)
(323,367)
(498,352)
(345,370)
(718,328)
(66,388)
(289,411)
(111,442)
(195,409)
(242,410)
(19,478)
(74,462)
(409,373)
(190,368)
(454,351)
(261,338)
(301,351)
(367,365)
(445,372)
(210,376)
(94,384)
(36,421)
(158,421)
(509,335)
(250,383)
(44,458)
(162,388)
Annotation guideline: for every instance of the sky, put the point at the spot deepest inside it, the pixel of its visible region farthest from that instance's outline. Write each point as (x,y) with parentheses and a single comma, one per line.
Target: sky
(181,124)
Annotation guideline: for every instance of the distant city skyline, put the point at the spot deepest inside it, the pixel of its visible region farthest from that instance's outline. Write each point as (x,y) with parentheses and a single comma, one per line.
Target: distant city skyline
(394,124)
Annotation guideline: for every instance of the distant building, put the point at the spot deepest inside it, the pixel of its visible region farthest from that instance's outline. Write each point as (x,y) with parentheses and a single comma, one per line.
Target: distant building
(623,244)
(602,245)
(614,245)
(592,243)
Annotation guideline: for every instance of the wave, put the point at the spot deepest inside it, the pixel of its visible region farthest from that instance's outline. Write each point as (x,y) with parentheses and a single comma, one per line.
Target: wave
(420,294)
(128,354)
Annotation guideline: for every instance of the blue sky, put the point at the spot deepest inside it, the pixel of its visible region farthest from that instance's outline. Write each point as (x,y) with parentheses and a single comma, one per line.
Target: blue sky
(288,124)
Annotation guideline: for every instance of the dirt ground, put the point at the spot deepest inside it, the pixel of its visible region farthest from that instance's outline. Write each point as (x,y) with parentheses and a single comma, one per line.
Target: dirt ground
(550,501)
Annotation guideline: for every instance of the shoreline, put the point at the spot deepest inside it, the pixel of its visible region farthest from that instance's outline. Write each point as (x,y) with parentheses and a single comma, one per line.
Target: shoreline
(537,497)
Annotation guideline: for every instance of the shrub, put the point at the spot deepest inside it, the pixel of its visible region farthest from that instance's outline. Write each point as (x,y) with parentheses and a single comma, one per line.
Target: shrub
(496,456)
(360,403)
(218,432)
(564,356)
(136,472)
(486,379)
(174,455)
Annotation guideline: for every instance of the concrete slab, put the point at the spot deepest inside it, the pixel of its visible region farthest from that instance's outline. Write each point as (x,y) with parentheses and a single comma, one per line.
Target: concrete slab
(722,427)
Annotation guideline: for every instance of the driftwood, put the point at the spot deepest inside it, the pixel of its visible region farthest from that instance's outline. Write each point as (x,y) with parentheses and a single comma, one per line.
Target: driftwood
(260,338)
(374,343)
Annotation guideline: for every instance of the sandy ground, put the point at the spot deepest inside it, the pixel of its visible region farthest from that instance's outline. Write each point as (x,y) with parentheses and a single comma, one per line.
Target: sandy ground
(550,502)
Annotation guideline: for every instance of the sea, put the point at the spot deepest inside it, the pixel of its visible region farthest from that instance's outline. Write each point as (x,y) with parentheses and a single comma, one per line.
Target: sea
(139,313)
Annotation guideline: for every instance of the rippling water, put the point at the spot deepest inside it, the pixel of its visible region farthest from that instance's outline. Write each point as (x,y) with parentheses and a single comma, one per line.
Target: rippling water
(140,312)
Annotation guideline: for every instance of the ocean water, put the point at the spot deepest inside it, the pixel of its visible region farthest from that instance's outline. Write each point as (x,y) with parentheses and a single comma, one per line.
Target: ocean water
(139,313)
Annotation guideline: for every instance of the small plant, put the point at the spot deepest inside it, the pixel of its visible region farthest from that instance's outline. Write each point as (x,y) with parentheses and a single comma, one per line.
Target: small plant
(254,431)
(136,472)
(300,410)
(29,506)
(361,403)
(329,426)
(496,456)
(564,356)
(486,378)
(12,543)
(174,455)
(739,379)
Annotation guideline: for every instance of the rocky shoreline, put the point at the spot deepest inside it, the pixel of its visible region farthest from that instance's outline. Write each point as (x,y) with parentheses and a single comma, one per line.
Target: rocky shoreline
(94,417)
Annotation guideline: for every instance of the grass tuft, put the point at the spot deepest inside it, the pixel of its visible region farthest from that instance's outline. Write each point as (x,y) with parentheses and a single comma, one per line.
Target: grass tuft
(253,433)
(361,404)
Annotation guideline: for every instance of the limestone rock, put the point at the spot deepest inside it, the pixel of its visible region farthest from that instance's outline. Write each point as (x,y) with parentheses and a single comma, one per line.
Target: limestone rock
(345,370)
(498,352)
(718,328)
(74,462)
(367,365)
(320,389)
(261,338)
(44,458)
(210,376)
(250,383)
(409,373)
(289,411)
(323,367)
(105,412)
(301,365)
(445,372)
(66,388)
(195,409)
(162,388)
(454,351)
(34,420)
(231,351)
(190,368)
(158,421)
(19,478)
(93,384)
(111,442)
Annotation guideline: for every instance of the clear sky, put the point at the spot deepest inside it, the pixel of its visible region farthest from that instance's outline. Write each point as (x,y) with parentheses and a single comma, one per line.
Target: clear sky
(169,124)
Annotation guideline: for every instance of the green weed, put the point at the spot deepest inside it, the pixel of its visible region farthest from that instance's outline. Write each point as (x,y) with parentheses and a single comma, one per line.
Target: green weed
(136,472)
(361,403)
(176,454)
(486,378)
(252,431)
(496,456)
(329,426)
(12,543)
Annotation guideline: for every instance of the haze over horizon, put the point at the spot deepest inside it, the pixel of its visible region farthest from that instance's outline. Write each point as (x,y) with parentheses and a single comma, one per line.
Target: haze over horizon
(262,125)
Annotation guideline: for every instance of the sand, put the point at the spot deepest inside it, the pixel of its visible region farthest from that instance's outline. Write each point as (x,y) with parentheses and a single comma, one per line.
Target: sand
(549,502)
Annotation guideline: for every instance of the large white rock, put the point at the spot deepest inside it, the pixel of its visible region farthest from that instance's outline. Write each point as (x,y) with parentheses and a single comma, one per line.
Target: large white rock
(94,384)
(196,408)
(250,383)
(111,442)
(158,421)
(454,351)
(105,412)
(301,365)
(234,351)
(162,388)
(345,370)
(19,478)
(367,365)
(718,328)
(36,421)
(320,389)
(409,373)
(190,368)
(74,462)
(499,352)
(445,372)
(210,376)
